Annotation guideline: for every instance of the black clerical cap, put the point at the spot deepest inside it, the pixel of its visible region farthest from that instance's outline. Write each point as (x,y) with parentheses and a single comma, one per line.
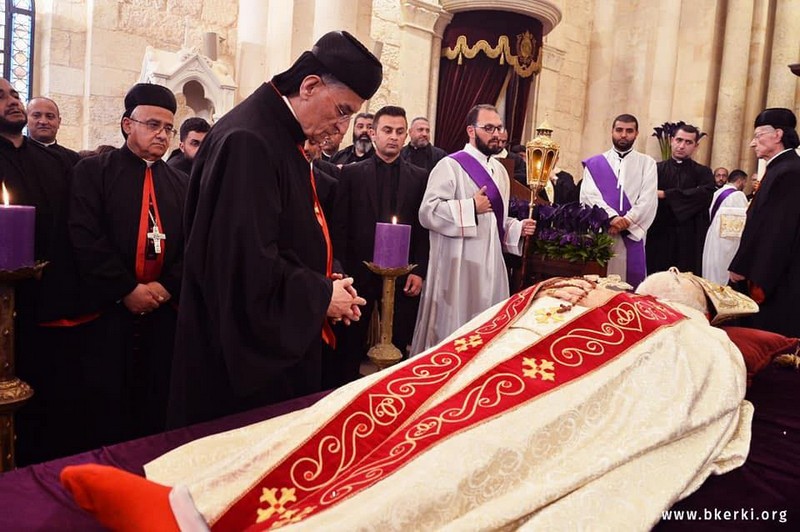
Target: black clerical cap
(777,117)
(340,54)
(149,94)
(350,62)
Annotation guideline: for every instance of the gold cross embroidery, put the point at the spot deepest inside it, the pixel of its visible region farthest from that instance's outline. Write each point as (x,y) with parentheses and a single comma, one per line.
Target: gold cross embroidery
(462,344)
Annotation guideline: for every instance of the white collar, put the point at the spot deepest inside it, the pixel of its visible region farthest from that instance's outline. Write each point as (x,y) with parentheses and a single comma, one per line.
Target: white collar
(776,155)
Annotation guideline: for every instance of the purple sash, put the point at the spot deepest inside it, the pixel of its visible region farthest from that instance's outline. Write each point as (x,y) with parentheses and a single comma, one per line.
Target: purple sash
(481,177)
(606,181)
(718,203)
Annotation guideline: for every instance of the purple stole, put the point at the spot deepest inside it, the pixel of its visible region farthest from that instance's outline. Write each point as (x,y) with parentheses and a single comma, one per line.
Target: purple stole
(481,178)
(718,203)
(606,181)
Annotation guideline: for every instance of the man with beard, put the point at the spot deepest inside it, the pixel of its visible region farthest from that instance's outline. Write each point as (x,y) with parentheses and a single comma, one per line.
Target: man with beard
(259,294)
(465,208)
(193,131)
(44,119)
(419,150)
(379,189)
(624,182)
(767,262)
(126,227)
(361,149)
(720,177)
(35,175)
(685,188)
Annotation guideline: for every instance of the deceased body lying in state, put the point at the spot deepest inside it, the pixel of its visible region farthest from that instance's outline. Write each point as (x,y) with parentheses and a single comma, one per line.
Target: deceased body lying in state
(536,414)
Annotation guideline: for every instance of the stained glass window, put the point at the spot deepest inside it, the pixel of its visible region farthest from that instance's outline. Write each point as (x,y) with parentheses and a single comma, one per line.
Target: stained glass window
(16,44)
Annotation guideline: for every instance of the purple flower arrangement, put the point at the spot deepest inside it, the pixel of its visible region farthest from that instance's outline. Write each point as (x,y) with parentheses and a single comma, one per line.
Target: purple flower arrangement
(575,232)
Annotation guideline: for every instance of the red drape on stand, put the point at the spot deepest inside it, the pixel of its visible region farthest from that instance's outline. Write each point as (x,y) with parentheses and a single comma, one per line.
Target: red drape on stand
(480,79)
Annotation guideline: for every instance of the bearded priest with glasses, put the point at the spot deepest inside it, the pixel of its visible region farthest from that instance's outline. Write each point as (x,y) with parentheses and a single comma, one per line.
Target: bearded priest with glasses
(126,228)
(465,208)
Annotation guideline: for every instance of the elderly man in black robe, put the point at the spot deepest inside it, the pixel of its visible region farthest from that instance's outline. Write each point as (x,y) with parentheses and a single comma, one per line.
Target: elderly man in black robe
(767,263)
(126,227)
(259,294)
(685,188)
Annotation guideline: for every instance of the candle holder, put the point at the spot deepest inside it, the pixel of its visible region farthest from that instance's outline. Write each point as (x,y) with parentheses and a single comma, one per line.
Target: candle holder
(384,353)
(13,391)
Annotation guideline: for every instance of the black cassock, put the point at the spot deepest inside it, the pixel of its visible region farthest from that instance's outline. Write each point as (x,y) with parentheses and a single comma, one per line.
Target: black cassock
(426,157)
(370,192)
(255,293)
(126,358)
(769,252)
(35,175)
(678,232)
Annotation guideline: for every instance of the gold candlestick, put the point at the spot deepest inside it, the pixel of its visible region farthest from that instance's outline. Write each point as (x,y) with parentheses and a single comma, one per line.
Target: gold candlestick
(13,392)
(384,353)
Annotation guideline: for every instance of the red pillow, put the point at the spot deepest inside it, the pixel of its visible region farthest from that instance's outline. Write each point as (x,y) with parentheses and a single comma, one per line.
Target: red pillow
(759,347)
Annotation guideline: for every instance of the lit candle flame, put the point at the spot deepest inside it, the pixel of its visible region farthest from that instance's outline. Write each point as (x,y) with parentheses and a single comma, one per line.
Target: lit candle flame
(394,219)
(5,195)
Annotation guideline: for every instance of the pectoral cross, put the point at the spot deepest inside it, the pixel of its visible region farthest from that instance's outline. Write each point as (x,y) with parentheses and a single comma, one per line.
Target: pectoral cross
(156,237)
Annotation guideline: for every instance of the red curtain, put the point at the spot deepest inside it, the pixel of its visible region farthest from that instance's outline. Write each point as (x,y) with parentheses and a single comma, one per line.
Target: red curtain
(517,93)
(480,79)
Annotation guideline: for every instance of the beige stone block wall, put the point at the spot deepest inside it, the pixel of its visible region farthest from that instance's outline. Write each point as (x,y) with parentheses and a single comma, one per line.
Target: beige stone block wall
(93,52)
(562,84)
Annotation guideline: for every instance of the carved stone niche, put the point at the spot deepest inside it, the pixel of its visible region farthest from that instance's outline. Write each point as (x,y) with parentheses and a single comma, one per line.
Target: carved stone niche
(203,87)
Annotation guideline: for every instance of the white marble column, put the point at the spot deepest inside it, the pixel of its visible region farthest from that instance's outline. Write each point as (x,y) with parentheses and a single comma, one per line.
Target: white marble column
(597,126)
(416,62)
(436,54)
(732,95)
(783,85)
(251,58)
(332,15)
(667,32)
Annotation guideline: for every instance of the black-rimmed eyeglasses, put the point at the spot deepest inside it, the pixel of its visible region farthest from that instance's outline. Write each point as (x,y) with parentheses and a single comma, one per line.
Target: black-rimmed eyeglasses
(154,126)
(491,128)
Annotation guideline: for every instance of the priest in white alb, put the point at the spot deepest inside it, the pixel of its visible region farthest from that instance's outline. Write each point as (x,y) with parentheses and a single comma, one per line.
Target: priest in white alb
(728,213)
(624,182)
(465,208)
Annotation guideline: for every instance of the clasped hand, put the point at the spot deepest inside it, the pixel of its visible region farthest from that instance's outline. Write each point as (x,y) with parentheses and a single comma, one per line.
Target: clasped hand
(146,298)
(618,224)
(345,301)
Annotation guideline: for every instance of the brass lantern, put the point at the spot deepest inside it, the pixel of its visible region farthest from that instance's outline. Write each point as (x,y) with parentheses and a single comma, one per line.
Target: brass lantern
(542,153)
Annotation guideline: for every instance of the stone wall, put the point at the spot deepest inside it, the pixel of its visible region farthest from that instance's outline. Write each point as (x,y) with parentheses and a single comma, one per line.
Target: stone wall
(93,53)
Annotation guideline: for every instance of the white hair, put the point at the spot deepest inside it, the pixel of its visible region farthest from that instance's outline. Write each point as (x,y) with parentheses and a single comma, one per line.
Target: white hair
(672,286)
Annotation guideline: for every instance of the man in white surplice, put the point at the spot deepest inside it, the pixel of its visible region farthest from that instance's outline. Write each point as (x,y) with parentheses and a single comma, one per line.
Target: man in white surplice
(723,242)
(466,272)
(636,175)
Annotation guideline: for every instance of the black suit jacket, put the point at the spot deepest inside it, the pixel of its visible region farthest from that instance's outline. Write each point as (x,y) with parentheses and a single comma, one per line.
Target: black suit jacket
(356,212)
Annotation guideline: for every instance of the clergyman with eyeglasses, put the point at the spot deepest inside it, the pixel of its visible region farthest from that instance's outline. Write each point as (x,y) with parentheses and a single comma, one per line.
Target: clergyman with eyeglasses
(259,293)
(767,264)
(465,208)
(126,228)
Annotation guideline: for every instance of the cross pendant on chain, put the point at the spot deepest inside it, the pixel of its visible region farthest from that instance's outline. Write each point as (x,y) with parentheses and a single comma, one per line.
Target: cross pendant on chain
(156,237)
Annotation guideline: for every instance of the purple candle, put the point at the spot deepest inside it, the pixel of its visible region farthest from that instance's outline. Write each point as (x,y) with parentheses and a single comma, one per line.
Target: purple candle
(391,244)
(16,235)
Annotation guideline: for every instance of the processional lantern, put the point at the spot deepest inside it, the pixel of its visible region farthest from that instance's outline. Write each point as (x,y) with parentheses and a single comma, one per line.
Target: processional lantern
(542,154)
